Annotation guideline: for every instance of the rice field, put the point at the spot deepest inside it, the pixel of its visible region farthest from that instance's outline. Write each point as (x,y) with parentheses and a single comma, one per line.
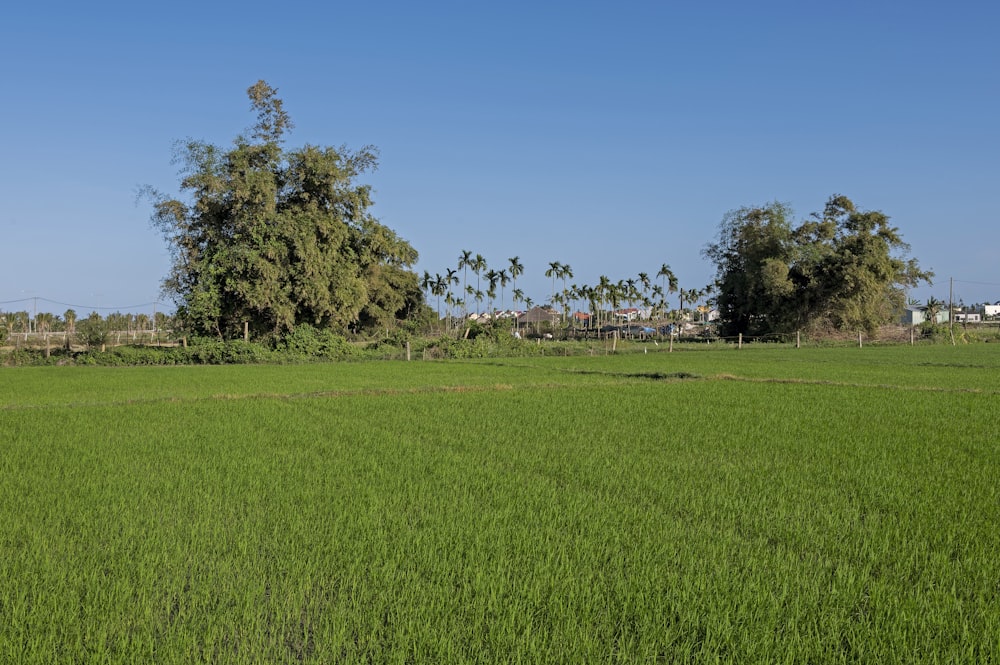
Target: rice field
(765,505)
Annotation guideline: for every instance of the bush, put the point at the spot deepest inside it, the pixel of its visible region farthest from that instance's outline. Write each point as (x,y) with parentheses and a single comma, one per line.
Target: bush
(233,352)
(92,331)
(306,342)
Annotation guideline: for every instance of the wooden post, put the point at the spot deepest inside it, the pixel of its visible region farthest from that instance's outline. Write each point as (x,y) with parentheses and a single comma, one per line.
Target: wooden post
(614,343)
(860,344)
(798,339)
(739,343)
(671,342)
(911,335)
(407,350)
(246,331)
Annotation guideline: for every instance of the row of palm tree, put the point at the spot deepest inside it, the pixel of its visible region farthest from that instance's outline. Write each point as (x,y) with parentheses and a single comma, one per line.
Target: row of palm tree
(46,322)
(641,289)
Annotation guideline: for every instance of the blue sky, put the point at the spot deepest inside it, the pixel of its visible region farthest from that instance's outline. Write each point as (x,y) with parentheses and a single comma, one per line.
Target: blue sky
(609,136)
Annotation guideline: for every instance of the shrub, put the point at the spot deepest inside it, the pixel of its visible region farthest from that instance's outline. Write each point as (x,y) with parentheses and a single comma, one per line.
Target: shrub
(92,331)
(307,342)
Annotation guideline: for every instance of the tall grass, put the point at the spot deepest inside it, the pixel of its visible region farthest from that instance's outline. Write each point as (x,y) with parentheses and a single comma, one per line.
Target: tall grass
(533,511)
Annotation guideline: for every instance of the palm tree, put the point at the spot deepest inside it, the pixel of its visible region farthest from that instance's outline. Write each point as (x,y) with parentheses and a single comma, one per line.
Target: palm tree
(438,289)
(470,294)
(504,280)
(464,261)
(69,316)
(644,281)
(565,271)
(631,292)
(603,290)
(553,272)
(574,296)
(478,295)
(657,293)
(21,320)
(478,266)
(516,269)
(592,296)
(492,277)
(668,285)
(450,279)
(690,295)
(932,308)
(426,282)
(518,296)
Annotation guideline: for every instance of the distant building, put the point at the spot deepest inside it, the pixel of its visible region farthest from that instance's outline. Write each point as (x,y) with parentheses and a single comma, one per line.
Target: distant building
(539,315)
(914,315)
(627,314)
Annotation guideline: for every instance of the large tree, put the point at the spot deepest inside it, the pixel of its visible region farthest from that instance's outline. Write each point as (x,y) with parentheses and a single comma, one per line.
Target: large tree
(844,268)
(276,238)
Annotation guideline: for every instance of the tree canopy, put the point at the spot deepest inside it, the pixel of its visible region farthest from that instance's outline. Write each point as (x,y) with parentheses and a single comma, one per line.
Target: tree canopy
(277,238)
(843,268)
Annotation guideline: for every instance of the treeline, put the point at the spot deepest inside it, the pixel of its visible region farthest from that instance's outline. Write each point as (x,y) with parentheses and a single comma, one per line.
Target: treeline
(305,344)
(841,269)
(25,322)
(266,241)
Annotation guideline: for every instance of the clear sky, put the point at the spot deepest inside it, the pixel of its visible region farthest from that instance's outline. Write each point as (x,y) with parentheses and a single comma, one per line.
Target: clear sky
(609,136)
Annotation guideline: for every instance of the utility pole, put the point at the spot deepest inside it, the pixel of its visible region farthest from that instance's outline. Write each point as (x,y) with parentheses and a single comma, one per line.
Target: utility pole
(951,309)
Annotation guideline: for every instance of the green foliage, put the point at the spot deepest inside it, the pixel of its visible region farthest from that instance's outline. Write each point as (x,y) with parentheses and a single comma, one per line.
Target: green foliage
(92,331)
(843,269)
(280,238)
(528,511)
(486,341)
(306,341)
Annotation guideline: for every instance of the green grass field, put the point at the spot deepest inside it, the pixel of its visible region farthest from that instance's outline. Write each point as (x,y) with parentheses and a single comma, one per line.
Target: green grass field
(710,505)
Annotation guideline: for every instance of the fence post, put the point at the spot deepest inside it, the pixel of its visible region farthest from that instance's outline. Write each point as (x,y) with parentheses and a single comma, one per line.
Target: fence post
(798,339)
(860,345)
(407,350)
(739,343)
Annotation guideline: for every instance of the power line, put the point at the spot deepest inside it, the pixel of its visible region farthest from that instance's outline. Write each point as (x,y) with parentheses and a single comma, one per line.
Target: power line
(156,303)
(962,281)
